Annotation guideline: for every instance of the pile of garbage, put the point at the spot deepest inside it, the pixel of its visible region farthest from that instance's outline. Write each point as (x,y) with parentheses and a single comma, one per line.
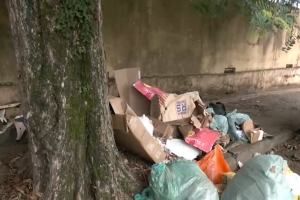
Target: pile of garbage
(185,138)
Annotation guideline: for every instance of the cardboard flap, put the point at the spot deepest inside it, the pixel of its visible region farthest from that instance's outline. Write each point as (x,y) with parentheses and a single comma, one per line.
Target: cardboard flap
(119,123)
(120,107)
(155,110)
(186,130)
(196,122)
(125,78)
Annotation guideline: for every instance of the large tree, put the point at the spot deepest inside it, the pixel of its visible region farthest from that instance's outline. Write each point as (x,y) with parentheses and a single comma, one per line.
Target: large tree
(60,57)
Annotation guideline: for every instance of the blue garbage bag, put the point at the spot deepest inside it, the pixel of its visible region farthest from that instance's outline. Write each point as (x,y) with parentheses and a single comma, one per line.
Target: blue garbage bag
(180,180)
(261,178)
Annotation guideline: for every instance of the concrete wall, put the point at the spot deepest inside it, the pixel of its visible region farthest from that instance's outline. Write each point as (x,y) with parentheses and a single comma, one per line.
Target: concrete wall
(169,38)
(174,45)
(8,70)
(176,49)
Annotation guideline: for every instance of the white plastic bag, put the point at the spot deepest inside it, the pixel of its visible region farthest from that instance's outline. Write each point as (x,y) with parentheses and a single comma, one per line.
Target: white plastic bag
(147,123)
(293,181)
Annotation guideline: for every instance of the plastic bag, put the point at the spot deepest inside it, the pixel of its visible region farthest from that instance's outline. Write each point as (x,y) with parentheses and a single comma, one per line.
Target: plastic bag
(293,181)
(144,195)
(261,178)
(219,108)
(213,165)
(147,123)
(180,180)
(236,118)
(219,123)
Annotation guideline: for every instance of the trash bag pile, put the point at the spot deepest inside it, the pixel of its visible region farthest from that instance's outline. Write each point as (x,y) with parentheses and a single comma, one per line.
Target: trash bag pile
(185,138)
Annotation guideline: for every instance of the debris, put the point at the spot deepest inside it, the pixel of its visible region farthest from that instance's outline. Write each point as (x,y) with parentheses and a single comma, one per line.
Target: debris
(161,129)
(147,124)
(293,181)
(227,177)
(147,90)
(214,165)
(219,123)
(239,119)
(203,139)
(260,178)
(218,108)
(180,179)
(2,118)
(125,78)
(292,156)
(131,134)
(144,195)
(240,164)
(172,107)
(182,149)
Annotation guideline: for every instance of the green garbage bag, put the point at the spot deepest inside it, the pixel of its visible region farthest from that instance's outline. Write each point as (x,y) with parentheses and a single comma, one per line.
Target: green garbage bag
(219,123)
(261,178)
(180,180)
(236,118)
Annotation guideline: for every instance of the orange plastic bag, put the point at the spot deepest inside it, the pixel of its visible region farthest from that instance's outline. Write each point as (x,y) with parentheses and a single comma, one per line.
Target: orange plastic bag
(213,165)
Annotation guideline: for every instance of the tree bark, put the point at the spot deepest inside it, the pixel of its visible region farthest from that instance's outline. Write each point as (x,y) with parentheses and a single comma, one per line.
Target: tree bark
(60,57)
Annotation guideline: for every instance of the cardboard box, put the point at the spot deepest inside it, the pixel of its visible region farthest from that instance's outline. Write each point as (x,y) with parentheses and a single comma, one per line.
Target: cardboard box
(130,133)
(125,78)
(161,129)
(172,107)
(256,135)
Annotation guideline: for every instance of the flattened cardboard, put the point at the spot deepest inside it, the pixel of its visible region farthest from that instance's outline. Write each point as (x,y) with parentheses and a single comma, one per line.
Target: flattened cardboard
(131,134)
(125,78)
(161,129)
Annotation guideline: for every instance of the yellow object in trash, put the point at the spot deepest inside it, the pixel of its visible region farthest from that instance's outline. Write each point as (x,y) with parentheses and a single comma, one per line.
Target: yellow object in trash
(227,177)
(289,171)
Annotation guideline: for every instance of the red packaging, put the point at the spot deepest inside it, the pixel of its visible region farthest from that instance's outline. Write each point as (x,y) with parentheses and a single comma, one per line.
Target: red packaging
(147,90)
(203,139)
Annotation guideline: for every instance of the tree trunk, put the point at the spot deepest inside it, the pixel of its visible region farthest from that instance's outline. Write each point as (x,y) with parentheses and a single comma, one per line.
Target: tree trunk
(60,57)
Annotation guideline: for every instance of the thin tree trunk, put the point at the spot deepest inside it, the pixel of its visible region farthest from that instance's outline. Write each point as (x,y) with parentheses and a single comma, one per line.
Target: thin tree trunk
(60,56)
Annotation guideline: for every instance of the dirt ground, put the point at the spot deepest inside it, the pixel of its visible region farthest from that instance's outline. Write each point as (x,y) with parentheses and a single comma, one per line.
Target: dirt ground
(275,113)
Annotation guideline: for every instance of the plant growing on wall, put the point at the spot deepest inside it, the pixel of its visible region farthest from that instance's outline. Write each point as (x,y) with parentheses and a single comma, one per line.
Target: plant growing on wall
(263,15)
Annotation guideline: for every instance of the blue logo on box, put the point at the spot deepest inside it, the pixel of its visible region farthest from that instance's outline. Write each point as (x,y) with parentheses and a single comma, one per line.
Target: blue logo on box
(181,107)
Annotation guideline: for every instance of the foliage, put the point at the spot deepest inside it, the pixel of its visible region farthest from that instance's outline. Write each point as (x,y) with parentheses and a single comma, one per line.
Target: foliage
(73,15)
(264,15)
